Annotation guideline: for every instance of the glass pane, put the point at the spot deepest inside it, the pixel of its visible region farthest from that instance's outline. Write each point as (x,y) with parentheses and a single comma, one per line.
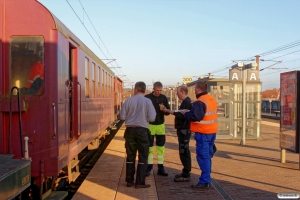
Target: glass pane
(251,129)
(223,128)
(223,110)
(86,68)
(86,88)
(27,64)
(238,92)
(220,92)
(93,72)
(252,92)
(99,74)
(252,110)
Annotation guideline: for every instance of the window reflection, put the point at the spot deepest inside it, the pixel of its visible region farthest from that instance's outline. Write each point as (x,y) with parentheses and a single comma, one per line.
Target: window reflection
(27,64)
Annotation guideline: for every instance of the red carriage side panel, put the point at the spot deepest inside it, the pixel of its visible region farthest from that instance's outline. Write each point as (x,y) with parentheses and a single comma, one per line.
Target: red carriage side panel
(3,145)
(59,118)
(28,34)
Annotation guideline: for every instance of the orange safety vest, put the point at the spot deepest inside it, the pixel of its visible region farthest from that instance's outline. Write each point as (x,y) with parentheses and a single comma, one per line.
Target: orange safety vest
(209,123)
(36,71)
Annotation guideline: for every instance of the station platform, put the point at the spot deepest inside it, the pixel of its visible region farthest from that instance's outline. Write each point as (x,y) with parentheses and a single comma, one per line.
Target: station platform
(251,171)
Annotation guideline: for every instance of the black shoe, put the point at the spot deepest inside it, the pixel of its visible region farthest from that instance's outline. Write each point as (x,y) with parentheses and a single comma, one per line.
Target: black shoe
(142,186)
(130,184)
(178,175)
(182,179)
(147,173)
(181,175)
(200,186)
(162,173)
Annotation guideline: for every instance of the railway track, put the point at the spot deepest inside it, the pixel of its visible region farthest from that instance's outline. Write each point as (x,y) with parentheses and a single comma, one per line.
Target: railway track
(88,158)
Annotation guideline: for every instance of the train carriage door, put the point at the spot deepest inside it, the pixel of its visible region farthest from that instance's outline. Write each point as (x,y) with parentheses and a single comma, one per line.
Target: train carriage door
(73,92)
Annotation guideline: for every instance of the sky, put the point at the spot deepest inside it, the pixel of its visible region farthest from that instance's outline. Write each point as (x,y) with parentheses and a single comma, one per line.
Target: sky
(165,40)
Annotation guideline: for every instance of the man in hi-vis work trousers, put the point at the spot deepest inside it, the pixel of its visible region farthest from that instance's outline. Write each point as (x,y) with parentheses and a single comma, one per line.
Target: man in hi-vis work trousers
(157,129)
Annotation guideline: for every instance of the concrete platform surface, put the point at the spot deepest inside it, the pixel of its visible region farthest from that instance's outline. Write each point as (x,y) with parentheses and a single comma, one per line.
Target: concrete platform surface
(252,171)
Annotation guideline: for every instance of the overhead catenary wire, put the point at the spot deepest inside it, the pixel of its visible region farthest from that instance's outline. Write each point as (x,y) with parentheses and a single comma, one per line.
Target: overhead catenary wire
(93,37)
(85,27)
(282,48)
(273,51)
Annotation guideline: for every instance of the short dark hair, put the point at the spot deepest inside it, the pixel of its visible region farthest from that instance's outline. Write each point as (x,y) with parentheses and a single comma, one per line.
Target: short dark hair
(183,88)
(202,85)
(157,84)
(140,86)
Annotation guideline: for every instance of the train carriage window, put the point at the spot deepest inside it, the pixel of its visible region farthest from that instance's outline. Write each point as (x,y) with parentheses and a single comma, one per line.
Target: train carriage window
(105,90)
(109,85)
(103,80)
(112,85)
(93,73)
(27,64)
(87,77)
(99,85)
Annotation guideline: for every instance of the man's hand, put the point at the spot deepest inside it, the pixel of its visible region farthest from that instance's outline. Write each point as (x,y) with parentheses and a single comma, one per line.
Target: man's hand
(183,111)
(162,107)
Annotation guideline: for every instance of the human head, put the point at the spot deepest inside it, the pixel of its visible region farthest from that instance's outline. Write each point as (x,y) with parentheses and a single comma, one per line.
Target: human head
(139,87)
(182,92)
(38,58)
(200,86)
(157,88)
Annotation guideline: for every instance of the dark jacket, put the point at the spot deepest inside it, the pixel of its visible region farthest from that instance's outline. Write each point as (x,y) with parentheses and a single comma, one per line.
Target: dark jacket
(180,121)
(160,115)
(198,110)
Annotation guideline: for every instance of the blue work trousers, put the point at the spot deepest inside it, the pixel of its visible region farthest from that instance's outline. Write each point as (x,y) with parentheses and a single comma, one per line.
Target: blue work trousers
(204,151)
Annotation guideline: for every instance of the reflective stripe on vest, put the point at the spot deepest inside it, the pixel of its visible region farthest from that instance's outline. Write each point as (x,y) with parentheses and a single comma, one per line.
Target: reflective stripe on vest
(209,123)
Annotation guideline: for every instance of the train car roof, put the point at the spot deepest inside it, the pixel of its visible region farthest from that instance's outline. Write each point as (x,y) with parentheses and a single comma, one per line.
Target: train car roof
(118,78)
(68,34)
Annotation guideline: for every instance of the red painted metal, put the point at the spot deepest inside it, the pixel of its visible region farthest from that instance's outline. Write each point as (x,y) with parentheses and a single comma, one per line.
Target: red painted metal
(46,119)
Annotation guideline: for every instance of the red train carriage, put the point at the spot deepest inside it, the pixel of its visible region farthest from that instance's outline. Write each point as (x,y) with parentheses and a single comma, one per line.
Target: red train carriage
(66,91)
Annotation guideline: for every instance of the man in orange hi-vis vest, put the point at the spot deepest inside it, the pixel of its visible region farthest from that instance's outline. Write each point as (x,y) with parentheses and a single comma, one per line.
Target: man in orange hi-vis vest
(204,122)
(36,78)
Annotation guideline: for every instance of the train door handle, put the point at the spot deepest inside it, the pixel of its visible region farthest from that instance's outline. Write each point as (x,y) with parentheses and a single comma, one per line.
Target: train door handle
(54,122)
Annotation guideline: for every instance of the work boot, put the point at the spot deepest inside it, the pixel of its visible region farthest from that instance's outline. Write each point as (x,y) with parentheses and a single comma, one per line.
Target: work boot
(182,179)
(149,168)
(161,170)
(200,186)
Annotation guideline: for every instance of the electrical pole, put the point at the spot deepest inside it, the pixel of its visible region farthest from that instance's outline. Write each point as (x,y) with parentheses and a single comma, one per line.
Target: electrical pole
(257,62)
